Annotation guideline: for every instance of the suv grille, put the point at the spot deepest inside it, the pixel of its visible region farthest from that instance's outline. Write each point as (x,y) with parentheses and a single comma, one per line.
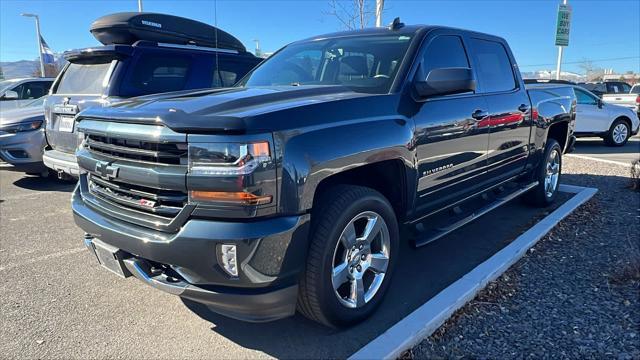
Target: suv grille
(161,153)
(164,203)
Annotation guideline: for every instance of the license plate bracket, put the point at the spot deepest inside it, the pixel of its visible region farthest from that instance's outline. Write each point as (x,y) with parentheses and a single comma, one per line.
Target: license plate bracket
(65,123)
(110,258)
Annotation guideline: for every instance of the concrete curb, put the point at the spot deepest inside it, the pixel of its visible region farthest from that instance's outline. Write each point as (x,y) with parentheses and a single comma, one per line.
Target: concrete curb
(426,319)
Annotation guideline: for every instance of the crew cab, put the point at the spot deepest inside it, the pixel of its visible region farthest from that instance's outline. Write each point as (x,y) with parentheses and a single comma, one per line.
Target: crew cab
(137,58)
(288,191)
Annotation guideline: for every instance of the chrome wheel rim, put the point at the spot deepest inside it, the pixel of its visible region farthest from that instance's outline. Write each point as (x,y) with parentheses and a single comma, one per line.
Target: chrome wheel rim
(620,133)
(552,173)
(360,259)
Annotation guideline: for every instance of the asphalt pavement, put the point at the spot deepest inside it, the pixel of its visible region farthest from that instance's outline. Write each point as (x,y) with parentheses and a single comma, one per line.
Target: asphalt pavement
(595,149)
(58,302)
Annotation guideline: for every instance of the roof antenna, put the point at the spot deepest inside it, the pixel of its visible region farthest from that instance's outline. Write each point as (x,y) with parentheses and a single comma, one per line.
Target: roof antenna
(396,24)
(215,21)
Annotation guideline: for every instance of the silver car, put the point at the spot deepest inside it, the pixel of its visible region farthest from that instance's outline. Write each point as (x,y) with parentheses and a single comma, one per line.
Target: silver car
(15,93)
(22,138)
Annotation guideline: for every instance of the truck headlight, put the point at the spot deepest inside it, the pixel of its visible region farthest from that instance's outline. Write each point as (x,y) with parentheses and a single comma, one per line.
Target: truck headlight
(228,173)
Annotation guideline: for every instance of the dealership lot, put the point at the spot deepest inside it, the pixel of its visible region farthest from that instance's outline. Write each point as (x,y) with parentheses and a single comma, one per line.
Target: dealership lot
(57,302)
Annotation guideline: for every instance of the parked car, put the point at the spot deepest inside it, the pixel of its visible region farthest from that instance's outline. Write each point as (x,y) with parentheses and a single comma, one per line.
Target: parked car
(615,92)
(289,190)
(615,124)
(138,58)
(22,138)
(15,93)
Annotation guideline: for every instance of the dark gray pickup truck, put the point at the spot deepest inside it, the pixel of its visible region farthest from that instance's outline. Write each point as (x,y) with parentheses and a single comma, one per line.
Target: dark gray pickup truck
(288,191)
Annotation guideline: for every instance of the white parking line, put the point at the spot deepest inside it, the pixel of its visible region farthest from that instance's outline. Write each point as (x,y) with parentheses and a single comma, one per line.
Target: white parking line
(42,258)
(600,160)
(426,319)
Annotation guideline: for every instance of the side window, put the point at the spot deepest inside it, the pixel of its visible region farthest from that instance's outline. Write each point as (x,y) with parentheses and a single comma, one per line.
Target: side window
(584,98)
(494,69)
(155,73)
(34,90)
(230,70)
(626,88)
(444,51)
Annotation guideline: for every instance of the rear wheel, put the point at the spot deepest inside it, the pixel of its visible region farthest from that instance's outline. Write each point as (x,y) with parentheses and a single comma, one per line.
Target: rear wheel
(618,134)
(548,176)
(354,244)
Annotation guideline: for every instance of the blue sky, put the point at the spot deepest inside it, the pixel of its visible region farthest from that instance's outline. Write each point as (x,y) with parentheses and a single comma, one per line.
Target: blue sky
(600,29)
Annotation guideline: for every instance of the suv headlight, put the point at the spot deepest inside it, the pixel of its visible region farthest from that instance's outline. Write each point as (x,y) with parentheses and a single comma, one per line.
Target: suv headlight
(23,126)
(230,173)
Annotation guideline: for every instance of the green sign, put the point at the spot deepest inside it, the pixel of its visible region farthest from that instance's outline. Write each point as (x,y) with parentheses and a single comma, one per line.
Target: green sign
(563,26)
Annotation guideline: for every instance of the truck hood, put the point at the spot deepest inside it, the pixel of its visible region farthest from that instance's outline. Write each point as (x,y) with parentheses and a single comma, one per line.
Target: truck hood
(217,110)
(18,115)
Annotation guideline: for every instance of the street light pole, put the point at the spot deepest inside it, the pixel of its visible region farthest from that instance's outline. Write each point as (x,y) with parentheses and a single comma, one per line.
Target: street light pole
(139,5)
(42,73)
(379,7)
(558,65)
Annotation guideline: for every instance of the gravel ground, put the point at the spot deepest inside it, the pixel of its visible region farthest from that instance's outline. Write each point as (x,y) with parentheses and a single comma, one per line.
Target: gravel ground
(575,295)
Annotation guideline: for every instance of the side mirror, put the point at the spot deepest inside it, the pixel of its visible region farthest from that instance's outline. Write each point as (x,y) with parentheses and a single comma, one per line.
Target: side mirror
(446,81)
(10,95)
(600,103)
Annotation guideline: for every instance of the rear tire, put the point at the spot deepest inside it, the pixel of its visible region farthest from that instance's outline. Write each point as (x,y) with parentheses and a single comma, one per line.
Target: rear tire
(347,272)
(618,134)
(548,175)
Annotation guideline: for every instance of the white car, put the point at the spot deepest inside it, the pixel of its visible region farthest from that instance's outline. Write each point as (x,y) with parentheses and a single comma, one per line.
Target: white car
(594,117)
(15,93)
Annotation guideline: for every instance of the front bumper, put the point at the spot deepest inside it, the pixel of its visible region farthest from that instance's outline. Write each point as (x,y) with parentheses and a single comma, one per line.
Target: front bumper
(270,252)
(23,150)
(60,161)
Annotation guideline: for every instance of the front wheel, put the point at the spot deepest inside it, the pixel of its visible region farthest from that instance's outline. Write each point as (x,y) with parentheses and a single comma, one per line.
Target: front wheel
(548,176)
(618,134)
(354,244)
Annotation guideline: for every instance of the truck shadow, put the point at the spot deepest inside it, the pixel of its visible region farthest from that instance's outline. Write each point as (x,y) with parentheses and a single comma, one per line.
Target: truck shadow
(597,146)
(420,274)
(45,184)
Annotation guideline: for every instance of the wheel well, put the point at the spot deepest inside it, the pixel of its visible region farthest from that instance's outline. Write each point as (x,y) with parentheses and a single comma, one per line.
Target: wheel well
(625,119)
(559,132)
(387,177)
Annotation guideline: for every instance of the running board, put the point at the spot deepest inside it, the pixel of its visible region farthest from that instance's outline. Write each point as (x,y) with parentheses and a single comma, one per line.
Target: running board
(427,236)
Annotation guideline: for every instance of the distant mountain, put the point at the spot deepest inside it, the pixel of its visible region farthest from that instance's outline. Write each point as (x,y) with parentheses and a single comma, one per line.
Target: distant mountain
(25,68)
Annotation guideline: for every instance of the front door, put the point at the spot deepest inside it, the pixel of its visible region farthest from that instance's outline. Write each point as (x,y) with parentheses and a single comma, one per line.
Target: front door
(451,147)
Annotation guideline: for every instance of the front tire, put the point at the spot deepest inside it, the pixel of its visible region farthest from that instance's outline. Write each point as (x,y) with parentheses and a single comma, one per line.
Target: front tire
(618,134)
(548,176)
(354,244)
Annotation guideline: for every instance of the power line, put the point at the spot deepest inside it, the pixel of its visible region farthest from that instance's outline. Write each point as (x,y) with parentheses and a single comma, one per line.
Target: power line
(585,60)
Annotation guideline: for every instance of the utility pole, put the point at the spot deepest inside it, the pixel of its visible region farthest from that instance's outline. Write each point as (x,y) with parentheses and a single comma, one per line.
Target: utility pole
(561,44)
(379,8)
(42,74)
(139,5)
(258,53)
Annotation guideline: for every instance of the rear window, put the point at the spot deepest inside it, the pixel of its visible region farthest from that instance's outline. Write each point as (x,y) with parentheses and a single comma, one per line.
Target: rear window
(155,73)
(85,79)
(494,69)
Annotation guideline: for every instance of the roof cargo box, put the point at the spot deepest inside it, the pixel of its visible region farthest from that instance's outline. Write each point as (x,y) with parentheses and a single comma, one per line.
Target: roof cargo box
(129,27)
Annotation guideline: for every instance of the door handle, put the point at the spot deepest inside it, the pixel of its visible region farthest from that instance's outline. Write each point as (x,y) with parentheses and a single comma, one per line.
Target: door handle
(480,114)
(524,108)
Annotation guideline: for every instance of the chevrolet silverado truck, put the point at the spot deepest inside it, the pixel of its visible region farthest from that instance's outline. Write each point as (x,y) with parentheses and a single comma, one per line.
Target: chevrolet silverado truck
(288,191)
(142,53)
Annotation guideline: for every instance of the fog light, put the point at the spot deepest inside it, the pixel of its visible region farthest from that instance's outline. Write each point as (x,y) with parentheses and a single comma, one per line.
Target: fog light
(229,259)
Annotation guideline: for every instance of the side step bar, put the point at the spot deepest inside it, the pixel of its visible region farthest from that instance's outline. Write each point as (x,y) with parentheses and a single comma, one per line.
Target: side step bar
(426,236)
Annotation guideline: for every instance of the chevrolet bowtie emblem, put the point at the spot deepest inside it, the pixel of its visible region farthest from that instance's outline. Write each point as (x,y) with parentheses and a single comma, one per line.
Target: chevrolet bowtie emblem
(103,169)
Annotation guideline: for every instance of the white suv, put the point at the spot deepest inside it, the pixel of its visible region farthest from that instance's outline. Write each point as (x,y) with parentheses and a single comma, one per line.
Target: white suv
(615,124)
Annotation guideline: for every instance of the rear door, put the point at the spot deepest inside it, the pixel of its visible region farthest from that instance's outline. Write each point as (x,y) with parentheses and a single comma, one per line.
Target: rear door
(80,86)
(451,146)
(509,121)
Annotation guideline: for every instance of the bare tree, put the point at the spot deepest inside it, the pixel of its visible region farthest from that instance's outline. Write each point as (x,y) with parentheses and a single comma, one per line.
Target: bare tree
(592,71)
(352,14)
(50,70)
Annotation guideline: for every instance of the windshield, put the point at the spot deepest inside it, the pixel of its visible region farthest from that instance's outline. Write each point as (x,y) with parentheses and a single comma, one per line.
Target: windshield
(363,63)
(635,89)
(6,84)
(83,79)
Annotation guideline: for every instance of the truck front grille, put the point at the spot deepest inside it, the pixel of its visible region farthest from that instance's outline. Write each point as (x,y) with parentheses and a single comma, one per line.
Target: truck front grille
(152,152)
(164,203)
